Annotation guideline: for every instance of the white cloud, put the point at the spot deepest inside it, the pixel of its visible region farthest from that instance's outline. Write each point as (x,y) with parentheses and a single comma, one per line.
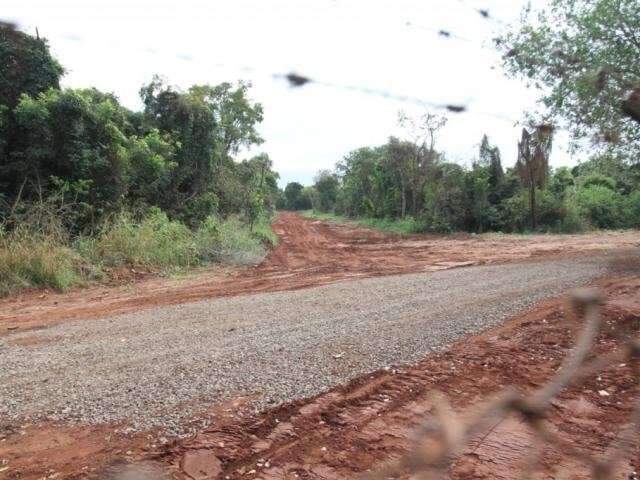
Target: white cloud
(118,45)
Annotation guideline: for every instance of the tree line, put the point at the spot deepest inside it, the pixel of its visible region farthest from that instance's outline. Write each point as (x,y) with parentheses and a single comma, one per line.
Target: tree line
(412,178)
(582,58)
(87,156)
(90,189)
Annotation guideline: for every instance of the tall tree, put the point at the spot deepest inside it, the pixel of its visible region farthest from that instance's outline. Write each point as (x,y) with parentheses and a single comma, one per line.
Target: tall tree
(584,56)
(533,162)
(400,161)
(422,132)
(258,182)
(209,124)
(364,182)
(295,198)
(489,158)
(326,184)
(27,66)
(81,141)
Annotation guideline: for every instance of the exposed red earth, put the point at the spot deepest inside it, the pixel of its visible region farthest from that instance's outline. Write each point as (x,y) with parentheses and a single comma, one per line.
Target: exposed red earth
(309,253)
(356,427)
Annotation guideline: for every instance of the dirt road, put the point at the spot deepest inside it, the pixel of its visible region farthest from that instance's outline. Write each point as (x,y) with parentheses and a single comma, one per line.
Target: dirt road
(343,432)
(161,365)
(155,368)
(310,253)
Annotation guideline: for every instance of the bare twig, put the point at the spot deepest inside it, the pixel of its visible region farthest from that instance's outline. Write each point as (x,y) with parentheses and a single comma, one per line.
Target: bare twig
(441,440)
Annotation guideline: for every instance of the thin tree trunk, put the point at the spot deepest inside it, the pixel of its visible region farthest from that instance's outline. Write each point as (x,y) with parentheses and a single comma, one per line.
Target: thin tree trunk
(414,199)
(532,199)
(18,198)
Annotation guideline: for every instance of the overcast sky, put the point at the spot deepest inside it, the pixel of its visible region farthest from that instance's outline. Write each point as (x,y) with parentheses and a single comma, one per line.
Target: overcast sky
(118,45)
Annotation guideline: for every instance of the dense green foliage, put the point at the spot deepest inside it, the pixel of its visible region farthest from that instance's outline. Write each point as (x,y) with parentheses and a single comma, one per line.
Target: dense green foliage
(157,189)
(27,66)
(50,258)
(296,197)
(583,56)
(602,192)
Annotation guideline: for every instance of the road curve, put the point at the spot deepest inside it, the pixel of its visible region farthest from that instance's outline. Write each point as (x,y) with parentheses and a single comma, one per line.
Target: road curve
(160,366)
(309,253)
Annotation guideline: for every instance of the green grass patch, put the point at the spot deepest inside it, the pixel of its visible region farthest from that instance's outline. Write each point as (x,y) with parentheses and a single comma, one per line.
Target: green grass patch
(237,245)
(30,259)
(404,226)
(262,231)
(154,242)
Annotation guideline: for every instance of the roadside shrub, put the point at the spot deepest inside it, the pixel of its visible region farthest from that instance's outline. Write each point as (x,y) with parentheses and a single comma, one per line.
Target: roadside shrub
(29,260)
(40,254)
(154,242)
(516,213)
(263,232)
(601,205)
(207,238)
(632,210)
(402,226)
(573,219)
(598,179)
(237,245)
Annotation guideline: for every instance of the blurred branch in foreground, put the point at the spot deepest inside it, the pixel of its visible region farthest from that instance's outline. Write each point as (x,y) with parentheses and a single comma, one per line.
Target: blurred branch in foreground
(443,438)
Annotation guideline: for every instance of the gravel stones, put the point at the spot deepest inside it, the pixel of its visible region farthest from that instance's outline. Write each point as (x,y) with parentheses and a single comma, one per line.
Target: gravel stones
(159,367)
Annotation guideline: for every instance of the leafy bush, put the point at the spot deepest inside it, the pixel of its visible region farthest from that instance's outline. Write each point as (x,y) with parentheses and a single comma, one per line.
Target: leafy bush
(402,226)
(154,242)
(237,245)
(263,232)
(632,210)
(573,218)
(597,179)
(43,256)
(601,205)
(516,212)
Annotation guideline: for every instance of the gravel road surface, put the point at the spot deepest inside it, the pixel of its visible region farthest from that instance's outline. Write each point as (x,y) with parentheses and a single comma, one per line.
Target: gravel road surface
(159,367)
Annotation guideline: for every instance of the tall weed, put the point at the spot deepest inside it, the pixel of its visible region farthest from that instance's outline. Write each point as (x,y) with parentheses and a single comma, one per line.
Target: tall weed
(37,260)
(153,242)
(32,256)
(237,244)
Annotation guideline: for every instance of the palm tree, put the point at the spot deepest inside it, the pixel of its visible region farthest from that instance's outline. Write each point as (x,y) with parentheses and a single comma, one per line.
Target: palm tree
(532,166)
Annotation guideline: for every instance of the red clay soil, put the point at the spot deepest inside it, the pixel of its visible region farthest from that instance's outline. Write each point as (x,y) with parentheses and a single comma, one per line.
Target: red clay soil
(309,253)
(356,427)
(48,451)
